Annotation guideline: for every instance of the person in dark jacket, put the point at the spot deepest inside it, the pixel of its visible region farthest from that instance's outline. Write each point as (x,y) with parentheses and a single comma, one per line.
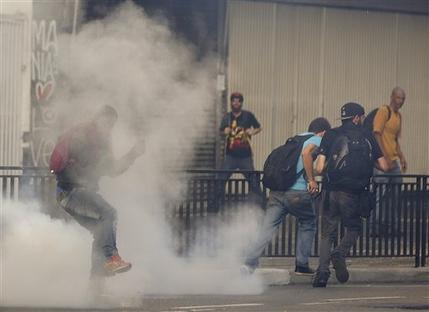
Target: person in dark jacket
(349,154)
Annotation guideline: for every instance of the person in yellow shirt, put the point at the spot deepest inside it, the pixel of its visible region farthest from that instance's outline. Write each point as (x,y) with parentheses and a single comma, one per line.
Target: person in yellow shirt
(387,131)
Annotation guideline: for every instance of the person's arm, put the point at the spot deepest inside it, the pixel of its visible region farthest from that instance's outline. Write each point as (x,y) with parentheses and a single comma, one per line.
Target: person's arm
(377,137)
(255,127)
(118,166)
(253,131)
(320,164)
(324,150)
(225,125)
(402,160)
(381,164)
(307,159)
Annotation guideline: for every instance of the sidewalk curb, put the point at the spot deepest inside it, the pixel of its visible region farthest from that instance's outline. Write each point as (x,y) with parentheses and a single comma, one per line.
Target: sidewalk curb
(279,277)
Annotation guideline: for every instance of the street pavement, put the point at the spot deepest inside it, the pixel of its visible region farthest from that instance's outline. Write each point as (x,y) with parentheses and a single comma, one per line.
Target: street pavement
(302,297)
(280,271)
(376,284)
(350,298)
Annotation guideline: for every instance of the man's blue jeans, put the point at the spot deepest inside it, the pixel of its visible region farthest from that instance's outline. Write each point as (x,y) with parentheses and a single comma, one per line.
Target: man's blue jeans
(385,185)
(298,204)
(92,212)
(236,163)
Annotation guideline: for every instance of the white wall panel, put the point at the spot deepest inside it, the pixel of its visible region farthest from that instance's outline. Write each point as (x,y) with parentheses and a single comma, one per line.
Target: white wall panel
(308,45)
(295,63)
(11,92)
(413,76)
(281,124)
(251,63)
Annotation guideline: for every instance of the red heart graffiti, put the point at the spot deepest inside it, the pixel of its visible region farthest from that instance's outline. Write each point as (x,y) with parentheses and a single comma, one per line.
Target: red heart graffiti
(44,91)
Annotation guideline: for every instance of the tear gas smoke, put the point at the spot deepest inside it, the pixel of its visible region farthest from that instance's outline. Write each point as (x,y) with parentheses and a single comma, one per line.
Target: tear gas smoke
(44,261)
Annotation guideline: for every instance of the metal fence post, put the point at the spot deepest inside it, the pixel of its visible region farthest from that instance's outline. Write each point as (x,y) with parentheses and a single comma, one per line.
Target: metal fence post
(424,197)
(418,223)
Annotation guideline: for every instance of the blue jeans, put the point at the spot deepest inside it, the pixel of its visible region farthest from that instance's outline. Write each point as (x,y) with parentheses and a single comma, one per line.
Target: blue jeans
(298,204)
(236,163)
(384,184)
(246,163)
(92,212)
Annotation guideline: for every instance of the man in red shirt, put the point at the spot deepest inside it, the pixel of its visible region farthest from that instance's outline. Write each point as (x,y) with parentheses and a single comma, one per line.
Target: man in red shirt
(82,155)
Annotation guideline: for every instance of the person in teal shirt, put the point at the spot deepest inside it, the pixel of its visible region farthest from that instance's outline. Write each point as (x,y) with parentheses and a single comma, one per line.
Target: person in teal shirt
(297,201)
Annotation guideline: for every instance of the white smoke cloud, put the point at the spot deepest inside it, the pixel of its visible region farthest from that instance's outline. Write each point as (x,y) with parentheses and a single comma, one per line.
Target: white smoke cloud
(137,65)
(44,261)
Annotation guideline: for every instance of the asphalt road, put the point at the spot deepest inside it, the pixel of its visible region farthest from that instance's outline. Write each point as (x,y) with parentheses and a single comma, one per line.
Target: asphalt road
(350,298)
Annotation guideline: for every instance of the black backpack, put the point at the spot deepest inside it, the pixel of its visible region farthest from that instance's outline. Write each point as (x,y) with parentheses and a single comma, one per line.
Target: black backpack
(368,123)
(280,166)
(350,161)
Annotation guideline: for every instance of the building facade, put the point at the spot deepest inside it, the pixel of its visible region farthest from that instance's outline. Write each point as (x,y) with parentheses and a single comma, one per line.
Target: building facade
(295,62)
(292,59)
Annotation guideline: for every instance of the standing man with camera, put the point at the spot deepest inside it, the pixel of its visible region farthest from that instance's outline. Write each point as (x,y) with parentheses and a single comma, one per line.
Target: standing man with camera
(239,126)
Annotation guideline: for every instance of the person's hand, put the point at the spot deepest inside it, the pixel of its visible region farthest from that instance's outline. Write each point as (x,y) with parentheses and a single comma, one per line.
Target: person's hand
(227,130)
(390,163)
(249,132)
(403,163)
(312,187)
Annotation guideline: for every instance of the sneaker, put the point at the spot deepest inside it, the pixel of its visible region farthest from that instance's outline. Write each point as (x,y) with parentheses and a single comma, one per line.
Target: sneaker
(303,270)
(115,264)
(340,267)
(246,270)
(320,278)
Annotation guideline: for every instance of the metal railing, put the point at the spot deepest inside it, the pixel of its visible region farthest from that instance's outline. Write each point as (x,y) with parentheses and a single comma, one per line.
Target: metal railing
(399,227)
(28,184)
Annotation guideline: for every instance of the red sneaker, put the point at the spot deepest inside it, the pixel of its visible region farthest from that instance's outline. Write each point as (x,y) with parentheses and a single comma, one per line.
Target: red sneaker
(115,264)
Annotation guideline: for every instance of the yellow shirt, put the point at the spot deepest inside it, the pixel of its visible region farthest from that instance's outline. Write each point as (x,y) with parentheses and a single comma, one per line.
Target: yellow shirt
(389,129)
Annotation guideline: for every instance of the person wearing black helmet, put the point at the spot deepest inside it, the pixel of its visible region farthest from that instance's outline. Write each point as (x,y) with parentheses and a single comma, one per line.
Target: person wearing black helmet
(239,126)
(347,156)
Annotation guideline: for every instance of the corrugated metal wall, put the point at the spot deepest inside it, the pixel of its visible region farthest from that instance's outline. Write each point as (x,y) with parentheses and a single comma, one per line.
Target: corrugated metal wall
(11,91)
(295,63)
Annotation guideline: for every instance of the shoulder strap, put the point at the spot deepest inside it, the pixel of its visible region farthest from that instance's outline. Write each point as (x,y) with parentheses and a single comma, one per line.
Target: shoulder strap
(389,112)
(301,140)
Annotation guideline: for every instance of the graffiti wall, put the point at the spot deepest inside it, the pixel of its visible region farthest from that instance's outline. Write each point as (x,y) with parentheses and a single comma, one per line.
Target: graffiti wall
(50,20)
(43,81)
